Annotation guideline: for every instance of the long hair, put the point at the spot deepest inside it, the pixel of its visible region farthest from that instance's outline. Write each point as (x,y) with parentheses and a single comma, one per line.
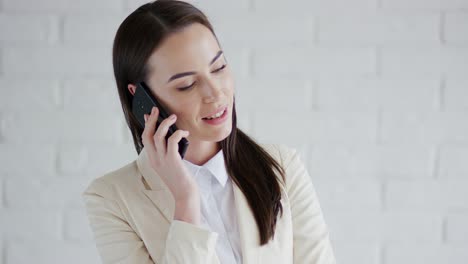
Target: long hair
(249,166)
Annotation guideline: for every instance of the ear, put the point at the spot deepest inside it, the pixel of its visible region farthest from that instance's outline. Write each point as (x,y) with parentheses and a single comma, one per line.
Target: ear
(131,88)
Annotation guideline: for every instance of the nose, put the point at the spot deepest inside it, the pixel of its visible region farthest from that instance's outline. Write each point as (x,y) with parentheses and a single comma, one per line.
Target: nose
(211,91)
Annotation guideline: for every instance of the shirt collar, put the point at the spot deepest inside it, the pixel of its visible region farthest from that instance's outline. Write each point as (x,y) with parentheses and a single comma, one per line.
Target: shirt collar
(215,166)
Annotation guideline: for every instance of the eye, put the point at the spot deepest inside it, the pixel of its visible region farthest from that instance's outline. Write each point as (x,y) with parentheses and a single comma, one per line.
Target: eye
(220,68)
(186,88)
(190,86)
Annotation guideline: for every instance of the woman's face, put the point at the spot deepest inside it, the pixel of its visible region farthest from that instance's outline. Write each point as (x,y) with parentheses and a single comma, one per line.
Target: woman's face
(208,85)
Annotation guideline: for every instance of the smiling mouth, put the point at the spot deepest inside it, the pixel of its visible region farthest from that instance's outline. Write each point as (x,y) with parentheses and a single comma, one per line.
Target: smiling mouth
(219,114)
(216,117)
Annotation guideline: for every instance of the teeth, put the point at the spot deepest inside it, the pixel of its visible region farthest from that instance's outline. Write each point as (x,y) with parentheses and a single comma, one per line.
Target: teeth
(216,115)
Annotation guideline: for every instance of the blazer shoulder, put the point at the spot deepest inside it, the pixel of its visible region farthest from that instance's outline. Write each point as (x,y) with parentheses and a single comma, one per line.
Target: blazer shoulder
(106,185)
(282,152)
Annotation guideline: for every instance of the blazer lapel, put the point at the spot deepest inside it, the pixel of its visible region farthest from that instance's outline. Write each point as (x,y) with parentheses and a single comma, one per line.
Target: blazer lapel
(248,231)
(157,191)
(155,188)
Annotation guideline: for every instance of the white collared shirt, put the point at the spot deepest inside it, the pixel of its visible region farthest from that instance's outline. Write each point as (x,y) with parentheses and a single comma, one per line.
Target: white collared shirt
(217,206)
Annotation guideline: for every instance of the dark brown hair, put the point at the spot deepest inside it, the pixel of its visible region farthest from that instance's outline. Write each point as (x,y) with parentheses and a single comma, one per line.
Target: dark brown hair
(248,164)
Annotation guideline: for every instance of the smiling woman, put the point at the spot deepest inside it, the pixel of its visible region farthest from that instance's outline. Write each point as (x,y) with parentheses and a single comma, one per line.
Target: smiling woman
(189,75)
(221,203)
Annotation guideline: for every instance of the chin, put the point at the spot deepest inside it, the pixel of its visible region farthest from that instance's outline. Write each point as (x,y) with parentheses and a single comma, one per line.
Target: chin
(221,135)
(217,136)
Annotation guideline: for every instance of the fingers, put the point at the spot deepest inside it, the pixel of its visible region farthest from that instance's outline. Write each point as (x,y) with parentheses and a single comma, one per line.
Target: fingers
(148,133)
(157,139)
(173,141)
(150,125)
(161,132)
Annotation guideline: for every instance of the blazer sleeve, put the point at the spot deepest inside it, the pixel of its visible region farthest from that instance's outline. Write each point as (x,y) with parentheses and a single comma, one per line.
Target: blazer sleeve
(311,242)
(117,242)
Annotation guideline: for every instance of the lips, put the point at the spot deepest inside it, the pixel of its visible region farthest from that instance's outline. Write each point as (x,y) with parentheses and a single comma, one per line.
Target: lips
(222,108)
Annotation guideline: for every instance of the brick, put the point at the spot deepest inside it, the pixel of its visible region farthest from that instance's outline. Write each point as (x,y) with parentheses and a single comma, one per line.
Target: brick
(455,97)
(61,6)
(51,251)
(311,7)
(99,93)
(134,4)
(25,30)
(324,157)
(425,253)
(16,224)
(398,161)
(455,28)
(363,253)
(2,202)
(72,159)
(341,94)
(220,8)
(283,94)
(312,62)
(55,127)
(56,193)
(422,62)
(85,159)
(68,189)
(76,226)
(380,28)
(21,194)
(92,29)
(427,195)
(457,228)
(41,94)
(385,227)
(430,5)
(336,194)
(424,127)
(366,161)
(409,94)
(300,127)
(269,31)
(40,160)
(453,162)
(57,61)
(372,94)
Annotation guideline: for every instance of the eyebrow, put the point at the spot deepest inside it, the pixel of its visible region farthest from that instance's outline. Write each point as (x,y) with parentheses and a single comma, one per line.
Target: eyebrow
(182,74)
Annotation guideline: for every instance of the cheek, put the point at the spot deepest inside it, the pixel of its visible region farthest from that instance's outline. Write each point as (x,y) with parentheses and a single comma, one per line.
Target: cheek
(187,111)
(229,85)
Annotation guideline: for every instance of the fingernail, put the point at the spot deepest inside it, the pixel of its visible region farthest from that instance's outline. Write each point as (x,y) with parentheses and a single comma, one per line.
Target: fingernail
(146,118)
(173,116)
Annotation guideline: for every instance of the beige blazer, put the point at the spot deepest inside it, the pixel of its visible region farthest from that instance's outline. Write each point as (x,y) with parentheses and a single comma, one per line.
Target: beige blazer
(131,215)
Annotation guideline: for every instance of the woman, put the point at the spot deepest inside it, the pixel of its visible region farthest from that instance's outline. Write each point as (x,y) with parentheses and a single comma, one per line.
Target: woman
(221,203)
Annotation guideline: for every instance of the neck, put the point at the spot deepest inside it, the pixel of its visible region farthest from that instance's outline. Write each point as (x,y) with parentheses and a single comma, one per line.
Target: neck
(199,152)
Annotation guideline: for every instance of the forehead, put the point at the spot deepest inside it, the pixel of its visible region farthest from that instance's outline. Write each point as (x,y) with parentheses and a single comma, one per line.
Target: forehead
(186,50)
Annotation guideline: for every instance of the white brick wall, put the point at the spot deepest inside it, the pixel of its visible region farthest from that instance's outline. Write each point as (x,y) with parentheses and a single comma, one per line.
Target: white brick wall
(373,93)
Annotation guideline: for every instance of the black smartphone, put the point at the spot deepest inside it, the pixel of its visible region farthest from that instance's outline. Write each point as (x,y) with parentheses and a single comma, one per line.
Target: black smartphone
(142,103)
